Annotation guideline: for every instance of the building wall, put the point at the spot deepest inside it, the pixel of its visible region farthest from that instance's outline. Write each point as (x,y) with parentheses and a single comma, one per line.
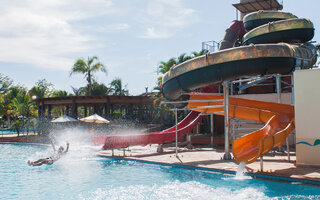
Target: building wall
(307,119)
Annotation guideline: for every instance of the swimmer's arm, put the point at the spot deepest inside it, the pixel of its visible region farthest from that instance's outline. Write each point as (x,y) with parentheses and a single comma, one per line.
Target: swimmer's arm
(67,149)
(53,146)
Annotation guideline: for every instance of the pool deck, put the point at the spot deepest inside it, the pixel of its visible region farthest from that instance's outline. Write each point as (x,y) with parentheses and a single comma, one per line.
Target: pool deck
(274,164)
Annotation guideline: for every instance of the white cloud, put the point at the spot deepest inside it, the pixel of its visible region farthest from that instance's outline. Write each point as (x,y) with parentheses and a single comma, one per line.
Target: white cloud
(166,17)
(123,26)
(151,33)
(111,27)
(41,33)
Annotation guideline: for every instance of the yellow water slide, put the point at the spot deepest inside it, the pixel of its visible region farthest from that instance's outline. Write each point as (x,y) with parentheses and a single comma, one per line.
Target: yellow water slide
(278,119)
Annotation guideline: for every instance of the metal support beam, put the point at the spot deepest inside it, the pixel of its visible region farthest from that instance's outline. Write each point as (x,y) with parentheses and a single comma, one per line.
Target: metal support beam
(199,107)
(292,103)
(212,128)
(190,101)
(278,85)
(261,163)
(288,148)
(227,155)
(278,88)
(292,90)
(176,120)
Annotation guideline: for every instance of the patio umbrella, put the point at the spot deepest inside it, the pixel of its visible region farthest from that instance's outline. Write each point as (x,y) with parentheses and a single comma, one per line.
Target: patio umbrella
(95,119)
(64,118)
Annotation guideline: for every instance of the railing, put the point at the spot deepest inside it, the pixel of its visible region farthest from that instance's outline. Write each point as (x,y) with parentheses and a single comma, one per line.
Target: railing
(210,46)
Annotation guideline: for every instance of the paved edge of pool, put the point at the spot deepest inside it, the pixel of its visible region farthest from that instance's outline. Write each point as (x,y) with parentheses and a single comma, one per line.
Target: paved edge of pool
(222,171)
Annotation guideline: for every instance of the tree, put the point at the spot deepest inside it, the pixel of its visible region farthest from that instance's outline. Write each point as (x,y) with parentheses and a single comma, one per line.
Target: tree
(59,93)
(3,110)
(97,89)
(5,83)
(77,91)
(22,108)
(41,89)
(200,53)
(100,89)
(2,105)
(117,88)
(11,94)
(87,68)
(182,58)
(166,66)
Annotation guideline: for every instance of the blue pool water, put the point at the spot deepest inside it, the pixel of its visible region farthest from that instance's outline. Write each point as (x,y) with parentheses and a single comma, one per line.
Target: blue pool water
(6,131)
(83,175)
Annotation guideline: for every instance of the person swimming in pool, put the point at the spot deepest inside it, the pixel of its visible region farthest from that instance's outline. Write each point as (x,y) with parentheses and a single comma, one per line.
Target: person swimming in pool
(53,158)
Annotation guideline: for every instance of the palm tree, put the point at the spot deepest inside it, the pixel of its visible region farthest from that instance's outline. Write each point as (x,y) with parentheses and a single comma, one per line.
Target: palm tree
(23,107)
(200,53)
(182,58)
(87,68)
(59,93)
(76,91)
(98,89)
(165,66)
(5,83)
(117,88)
(41,89)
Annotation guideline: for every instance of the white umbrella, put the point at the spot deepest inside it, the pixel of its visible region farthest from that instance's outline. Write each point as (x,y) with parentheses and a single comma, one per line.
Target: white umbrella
(95,119)
(64,118)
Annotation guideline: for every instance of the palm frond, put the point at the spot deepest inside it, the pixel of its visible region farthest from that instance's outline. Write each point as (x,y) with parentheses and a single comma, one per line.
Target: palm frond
(98,66)
(90,60)
(80,66)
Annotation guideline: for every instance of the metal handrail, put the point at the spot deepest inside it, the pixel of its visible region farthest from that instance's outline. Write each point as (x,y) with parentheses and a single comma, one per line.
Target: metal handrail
(189,101)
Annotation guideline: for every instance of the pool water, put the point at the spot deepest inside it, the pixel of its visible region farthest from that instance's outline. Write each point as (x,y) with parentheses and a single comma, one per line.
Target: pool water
(83,175)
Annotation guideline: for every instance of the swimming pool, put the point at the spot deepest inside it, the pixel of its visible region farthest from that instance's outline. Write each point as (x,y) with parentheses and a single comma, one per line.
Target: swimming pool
(82,175)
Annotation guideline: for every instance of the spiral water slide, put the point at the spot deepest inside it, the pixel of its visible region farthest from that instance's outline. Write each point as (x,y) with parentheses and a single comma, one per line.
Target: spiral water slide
(277,43)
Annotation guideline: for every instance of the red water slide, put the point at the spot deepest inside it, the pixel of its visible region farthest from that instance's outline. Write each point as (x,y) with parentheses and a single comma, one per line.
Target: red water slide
(121,141)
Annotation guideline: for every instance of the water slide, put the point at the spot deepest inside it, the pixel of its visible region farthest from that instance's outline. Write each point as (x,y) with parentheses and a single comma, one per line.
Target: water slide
(143,139)
(278,44)
(278,120)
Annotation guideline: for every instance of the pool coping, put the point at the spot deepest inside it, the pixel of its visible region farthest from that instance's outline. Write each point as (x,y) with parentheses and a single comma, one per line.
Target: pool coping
(222,171)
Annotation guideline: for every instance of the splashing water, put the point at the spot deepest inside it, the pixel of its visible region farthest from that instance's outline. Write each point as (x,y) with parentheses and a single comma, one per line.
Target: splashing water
(174,190)
(240,175)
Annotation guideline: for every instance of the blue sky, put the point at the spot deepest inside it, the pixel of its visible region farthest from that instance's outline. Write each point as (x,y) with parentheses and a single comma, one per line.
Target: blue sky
(41,39)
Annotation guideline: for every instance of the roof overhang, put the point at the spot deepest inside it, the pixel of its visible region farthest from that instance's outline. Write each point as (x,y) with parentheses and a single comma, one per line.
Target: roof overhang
(253,6)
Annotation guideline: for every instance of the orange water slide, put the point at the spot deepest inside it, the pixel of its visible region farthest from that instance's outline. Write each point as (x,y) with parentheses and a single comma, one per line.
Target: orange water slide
(278,119)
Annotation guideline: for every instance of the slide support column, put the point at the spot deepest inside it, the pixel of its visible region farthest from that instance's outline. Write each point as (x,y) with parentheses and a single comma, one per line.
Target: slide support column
(211,129)
(261,163)
(278,83)
(176,121)
(227,155)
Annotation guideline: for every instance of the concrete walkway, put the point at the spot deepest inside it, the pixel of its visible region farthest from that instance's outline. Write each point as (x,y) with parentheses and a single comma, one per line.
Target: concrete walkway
(274,164)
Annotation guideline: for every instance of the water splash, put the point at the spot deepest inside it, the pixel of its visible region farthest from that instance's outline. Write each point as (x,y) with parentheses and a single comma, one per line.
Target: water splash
(173,190)
(240,175)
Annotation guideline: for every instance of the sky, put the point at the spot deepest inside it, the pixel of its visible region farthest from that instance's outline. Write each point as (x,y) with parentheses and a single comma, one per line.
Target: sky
(42,39)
